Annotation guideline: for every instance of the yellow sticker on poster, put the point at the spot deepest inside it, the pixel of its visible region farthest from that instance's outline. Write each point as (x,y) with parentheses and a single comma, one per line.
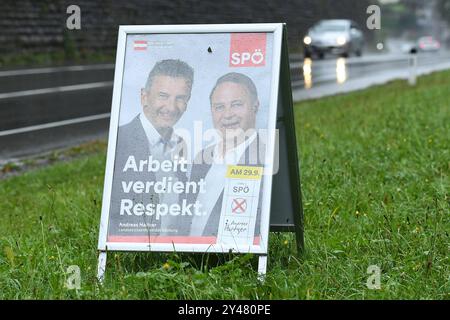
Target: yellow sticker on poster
(244,172)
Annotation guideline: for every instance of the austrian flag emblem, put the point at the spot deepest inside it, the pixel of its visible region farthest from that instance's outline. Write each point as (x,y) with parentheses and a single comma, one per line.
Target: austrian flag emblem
(140,45)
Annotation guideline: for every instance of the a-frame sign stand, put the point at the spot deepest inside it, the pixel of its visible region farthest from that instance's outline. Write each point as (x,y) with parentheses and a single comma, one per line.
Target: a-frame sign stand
(286,212)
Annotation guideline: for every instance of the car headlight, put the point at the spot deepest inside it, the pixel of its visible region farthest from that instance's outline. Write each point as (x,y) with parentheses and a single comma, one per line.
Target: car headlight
(341,40)
(307,40)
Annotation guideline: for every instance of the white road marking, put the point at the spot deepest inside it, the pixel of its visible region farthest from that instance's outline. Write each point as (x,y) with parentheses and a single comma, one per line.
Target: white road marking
(54,124)
(12,73)
(75,87)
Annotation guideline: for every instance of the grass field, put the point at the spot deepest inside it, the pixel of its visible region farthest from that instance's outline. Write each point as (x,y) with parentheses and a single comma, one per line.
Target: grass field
(376,191)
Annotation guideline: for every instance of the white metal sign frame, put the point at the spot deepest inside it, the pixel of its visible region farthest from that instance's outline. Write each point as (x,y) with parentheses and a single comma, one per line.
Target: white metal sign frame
(124,31)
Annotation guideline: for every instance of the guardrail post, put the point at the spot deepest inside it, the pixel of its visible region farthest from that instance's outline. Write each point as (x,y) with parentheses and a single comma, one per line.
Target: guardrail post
(412,80)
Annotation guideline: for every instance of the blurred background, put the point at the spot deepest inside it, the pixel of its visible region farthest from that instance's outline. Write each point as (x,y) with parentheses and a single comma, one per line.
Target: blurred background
(56,83)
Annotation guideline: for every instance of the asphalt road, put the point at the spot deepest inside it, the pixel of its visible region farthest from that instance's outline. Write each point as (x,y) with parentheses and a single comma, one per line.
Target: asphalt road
(48,108)
(315,79)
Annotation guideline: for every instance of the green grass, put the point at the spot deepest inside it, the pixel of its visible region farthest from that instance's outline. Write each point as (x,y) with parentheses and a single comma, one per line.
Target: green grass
(375,177)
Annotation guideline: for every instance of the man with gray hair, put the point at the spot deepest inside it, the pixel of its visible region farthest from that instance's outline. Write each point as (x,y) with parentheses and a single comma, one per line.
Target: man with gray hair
(164,100)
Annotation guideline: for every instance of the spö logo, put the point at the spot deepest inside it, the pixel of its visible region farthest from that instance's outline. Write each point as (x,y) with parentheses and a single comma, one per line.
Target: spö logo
(248,50)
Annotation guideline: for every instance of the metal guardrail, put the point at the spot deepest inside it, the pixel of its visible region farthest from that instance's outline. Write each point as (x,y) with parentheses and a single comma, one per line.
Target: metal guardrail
(65,96)
(296,62)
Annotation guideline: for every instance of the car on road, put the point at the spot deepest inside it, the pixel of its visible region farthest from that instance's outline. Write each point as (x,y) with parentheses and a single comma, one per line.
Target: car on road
(338,37)
(428,44)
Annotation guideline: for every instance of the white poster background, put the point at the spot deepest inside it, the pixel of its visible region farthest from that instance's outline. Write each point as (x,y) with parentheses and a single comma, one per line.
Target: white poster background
(208,67)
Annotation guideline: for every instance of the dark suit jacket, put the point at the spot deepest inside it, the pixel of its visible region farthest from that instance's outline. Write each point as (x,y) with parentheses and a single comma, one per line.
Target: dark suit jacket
(132,140)
(200,170)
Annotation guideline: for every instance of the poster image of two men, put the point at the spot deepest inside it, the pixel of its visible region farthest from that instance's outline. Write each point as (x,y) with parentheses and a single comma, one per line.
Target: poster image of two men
(195,128)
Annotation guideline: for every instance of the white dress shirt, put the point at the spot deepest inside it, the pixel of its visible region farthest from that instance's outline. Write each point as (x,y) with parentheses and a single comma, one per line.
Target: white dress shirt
(162,150)
(215,182)
(159,148)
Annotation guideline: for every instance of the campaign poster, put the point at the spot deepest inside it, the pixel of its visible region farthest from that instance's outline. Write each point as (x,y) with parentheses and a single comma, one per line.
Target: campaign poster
(191,151)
